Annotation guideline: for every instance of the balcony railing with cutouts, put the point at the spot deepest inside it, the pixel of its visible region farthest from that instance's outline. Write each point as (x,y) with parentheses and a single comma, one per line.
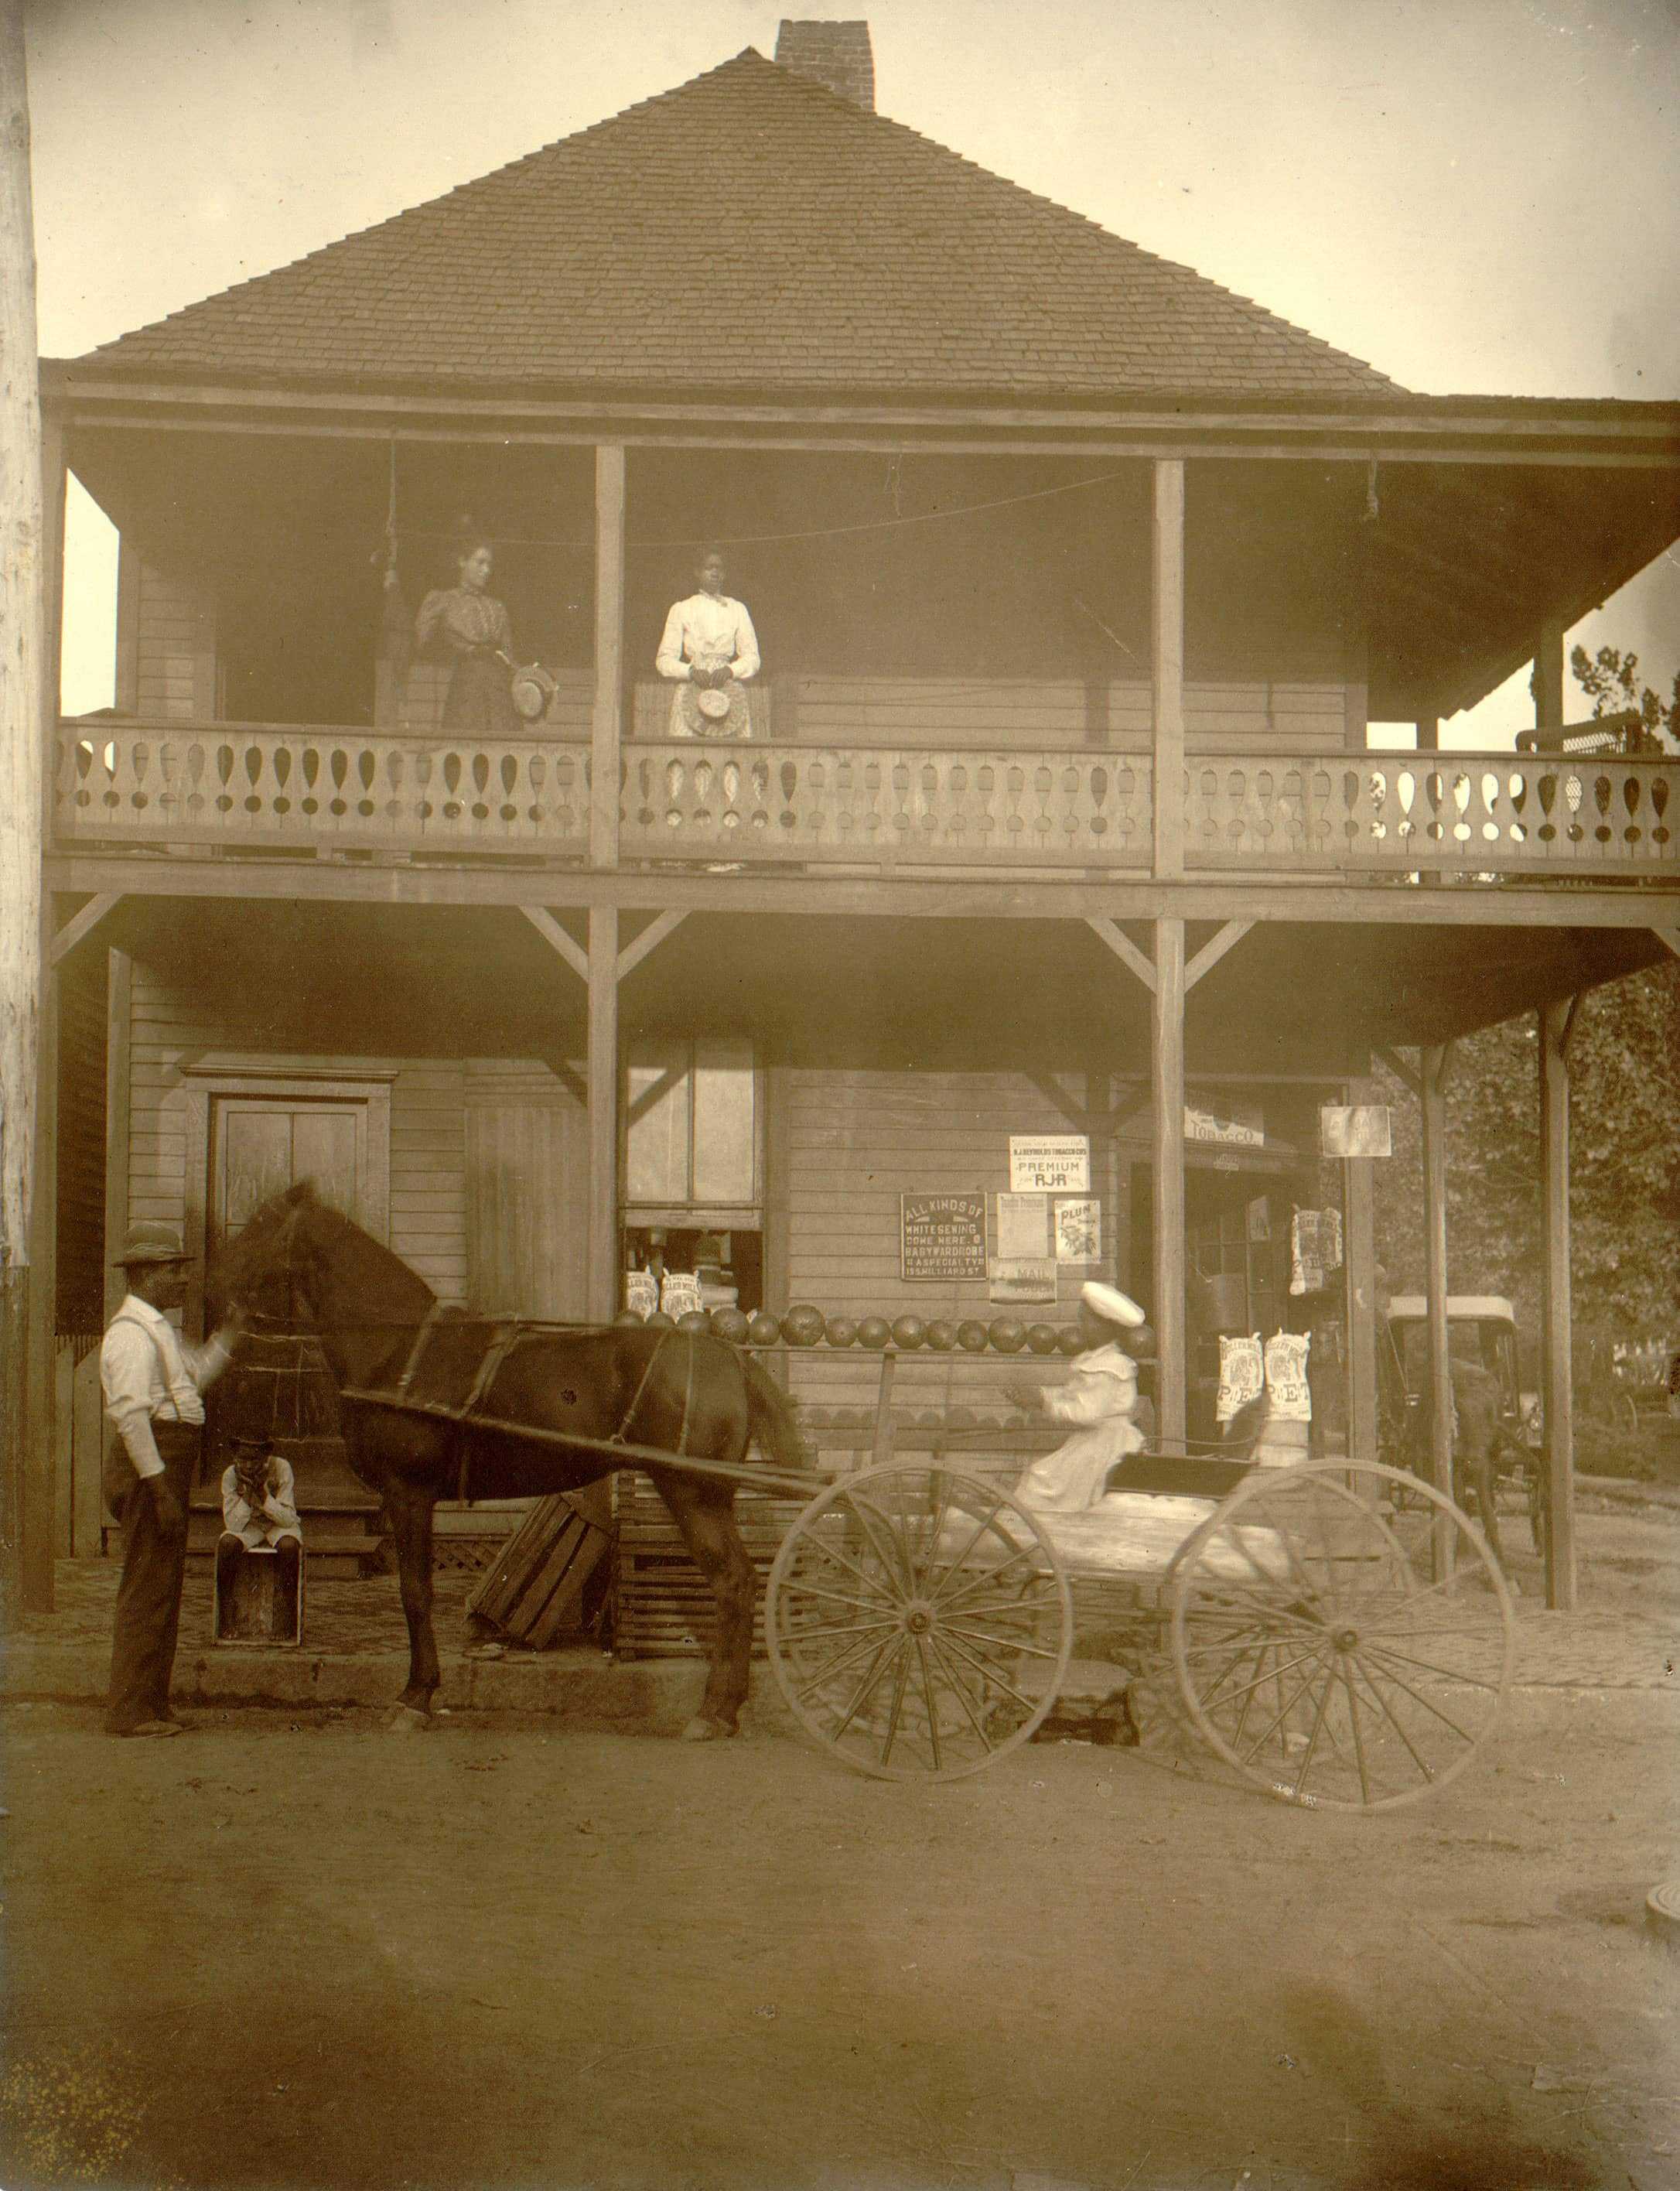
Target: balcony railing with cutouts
(263,787)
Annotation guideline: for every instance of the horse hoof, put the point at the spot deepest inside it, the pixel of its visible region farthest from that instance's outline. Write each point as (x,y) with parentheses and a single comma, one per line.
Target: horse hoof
(700,1728)
(405,1720)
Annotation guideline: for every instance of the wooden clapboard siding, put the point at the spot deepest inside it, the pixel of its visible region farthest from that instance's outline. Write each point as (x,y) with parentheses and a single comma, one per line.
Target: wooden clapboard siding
(991,714)
(526,1165)
(81,1271)
(166,640)
(856,1140)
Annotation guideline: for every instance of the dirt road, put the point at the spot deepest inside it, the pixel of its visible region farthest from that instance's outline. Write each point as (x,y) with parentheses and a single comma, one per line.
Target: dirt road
(500,1955)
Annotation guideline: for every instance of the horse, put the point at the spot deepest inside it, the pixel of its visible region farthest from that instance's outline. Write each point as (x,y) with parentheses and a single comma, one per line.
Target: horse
(1483,1447)
(680,1391)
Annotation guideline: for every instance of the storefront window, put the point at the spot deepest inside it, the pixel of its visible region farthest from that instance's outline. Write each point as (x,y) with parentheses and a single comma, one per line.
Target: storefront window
(692,1138)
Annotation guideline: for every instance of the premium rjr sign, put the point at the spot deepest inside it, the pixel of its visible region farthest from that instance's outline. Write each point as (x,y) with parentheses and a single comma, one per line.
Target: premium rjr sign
(1049,1163)
(942,1236)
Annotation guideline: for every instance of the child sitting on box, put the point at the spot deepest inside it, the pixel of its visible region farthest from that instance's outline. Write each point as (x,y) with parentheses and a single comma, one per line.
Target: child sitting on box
(259,1514)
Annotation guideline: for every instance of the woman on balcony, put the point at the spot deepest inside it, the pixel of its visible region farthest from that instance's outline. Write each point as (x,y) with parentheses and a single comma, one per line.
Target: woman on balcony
(708,650)
(475,628)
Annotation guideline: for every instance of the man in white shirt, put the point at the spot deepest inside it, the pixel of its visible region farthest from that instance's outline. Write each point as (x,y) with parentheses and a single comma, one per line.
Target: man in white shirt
(709,651)
(154,1385)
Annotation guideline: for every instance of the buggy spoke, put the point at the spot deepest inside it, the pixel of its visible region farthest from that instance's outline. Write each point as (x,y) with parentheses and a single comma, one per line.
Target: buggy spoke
(1276,1673)
(1386,1711)
(797,1635)
(1359,1734)
(885,1658)
(836,1596)
(889,1558)
(899,1681)
(1274,1724)
(1010,1644)
(1385,1653)
(932,1702)
(1312,1739)
(1418,1697)
(836,1664)
(942,1604)
(820,1545)
(960,1561)
(990,1673)
(959,1690)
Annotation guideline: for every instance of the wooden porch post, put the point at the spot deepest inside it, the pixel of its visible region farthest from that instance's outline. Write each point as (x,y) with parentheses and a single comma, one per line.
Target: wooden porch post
(1433,1063)
(40,1503)
(606,723)
(1554,1148)
(1548,675)
(1167,1091)
(1168,658)
(1429,730)
(602,1261)
(1362,1307)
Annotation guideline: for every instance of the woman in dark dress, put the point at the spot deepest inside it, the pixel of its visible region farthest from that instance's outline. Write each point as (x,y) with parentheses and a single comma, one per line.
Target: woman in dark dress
(476,629)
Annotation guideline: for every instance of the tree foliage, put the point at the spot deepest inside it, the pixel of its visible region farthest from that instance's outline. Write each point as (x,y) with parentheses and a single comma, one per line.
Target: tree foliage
(1624,1165)
(1610,679)
(1623,1130)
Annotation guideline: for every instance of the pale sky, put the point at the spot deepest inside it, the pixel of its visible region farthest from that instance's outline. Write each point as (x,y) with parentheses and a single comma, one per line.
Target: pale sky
(1473,194)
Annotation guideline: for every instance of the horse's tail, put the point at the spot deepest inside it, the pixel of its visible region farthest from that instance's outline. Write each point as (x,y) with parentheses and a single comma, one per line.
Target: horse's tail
(770,1414)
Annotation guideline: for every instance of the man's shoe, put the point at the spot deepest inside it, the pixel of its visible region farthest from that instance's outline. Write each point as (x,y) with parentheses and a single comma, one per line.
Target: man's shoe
(149,1726)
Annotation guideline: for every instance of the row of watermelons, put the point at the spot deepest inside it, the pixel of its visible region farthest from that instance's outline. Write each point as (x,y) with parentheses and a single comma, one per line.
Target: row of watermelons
(805,1326)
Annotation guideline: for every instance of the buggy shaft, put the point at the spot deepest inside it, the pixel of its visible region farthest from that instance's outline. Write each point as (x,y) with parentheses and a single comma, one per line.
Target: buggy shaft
(745,1475)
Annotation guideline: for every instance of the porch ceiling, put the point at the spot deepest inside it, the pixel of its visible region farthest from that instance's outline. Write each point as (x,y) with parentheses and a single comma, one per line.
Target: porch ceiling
(477,982)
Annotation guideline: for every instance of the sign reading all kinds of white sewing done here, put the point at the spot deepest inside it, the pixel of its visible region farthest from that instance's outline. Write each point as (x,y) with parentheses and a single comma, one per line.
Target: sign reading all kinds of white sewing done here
(1050,1164)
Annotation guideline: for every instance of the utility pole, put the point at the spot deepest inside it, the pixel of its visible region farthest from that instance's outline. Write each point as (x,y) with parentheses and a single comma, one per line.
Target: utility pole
(23,654)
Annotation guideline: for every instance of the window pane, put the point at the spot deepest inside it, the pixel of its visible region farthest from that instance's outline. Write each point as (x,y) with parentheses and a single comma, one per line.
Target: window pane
(656,1165)
(725,1135)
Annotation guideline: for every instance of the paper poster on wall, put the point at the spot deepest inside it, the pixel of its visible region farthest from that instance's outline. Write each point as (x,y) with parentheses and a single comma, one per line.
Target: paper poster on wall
(1050,1164)
(1023,1278)
(1355,1129)
(942,1236)
(1023,1227)
(1079,1229)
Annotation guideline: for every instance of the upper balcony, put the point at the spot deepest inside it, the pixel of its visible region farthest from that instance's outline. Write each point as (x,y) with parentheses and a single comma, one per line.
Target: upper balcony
(859,775)
(975,663)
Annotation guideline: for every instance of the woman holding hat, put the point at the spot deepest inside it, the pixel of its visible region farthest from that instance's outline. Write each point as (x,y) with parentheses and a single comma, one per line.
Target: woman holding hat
(154,1384)
(475,629)
(709,651)
(1100,1397)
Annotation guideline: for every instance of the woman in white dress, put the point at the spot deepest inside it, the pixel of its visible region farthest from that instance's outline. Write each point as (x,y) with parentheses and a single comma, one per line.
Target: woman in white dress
(1100,1397)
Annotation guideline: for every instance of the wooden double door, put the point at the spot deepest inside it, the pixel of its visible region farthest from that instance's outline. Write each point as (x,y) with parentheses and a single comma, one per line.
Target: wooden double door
(259,1138)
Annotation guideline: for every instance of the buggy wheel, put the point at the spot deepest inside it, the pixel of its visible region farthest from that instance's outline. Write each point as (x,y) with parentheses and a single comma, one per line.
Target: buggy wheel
(1338,1647)
(919,1622)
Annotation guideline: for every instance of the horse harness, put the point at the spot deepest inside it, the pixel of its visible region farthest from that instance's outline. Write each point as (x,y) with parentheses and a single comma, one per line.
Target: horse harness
(504,1338)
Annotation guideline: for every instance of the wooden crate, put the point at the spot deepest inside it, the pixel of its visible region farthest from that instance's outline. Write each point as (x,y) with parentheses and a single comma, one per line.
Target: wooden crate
(664,1606)
(548,1573)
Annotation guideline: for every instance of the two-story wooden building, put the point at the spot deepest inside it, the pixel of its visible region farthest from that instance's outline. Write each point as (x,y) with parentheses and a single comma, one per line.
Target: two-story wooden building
(1077,579)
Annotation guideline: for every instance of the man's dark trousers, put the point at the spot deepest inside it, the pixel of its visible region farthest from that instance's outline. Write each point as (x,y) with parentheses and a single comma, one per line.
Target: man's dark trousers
(149,1596)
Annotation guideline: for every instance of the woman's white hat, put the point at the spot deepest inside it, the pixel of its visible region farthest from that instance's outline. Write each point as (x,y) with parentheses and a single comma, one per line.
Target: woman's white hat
(1109,1301)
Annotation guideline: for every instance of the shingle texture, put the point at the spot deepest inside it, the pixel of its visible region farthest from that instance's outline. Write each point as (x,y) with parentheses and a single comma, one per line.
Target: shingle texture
(749,230)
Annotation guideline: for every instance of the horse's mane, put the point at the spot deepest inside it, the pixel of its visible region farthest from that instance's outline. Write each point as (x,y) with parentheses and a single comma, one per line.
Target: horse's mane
(297,1218)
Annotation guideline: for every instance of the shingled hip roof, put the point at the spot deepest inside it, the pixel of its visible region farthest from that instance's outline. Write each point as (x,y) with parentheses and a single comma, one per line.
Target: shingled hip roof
(875,262)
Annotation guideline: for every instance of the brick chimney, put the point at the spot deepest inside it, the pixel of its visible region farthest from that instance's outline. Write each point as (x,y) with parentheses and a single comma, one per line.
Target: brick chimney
(837,54)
